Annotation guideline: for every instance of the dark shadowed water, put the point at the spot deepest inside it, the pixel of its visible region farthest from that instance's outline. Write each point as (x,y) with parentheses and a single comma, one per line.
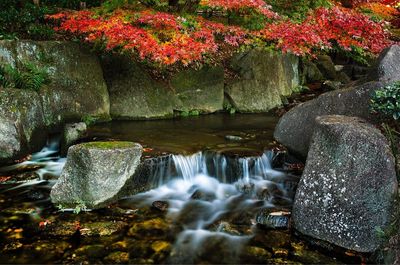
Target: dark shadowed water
(194,134)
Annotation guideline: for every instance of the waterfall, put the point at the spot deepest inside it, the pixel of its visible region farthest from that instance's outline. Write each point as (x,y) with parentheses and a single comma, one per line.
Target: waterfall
(225,169)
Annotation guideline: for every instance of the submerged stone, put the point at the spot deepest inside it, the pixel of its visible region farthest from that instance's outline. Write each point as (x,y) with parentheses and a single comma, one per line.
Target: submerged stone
(117,258)
(95,173)
(254,255)
(274,220)
(153,228)
(91,251)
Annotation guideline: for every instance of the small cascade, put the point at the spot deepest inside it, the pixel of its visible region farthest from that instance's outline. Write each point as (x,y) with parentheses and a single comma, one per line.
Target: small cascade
(189,166)
(47,163)
(225,169)
(206,192)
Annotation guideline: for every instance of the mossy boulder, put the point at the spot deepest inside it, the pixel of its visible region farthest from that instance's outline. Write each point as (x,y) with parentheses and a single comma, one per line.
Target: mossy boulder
(95,173)
(265,77)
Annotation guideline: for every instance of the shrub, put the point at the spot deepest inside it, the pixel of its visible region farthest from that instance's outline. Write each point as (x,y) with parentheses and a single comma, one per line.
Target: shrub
(386,101)
(23,19)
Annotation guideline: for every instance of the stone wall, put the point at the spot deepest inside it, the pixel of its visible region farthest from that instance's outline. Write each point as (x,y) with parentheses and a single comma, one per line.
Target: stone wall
(114,86)
(264,78)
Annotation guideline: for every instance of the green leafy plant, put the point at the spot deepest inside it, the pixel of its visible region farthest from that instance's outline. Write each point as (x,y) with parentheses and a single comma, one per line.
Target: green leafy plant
(89,120)
(386,101)
(28,76)
(80,207)
(229,108)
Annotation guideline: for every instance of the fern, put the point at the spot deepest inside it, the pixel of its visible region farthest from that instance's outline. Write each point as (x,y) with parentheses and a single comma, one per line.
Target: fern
(3,77)
(29,77)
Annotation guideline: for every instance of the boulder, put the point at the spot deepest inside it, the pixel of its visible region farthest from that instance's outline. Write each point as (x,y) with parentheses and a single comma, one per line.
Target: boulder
(77,86)
(71,134)
(95,173)
(201,90)
(265,77)
(346,192)
(135,94)
(23,129)
(387,68)
(326,67)
(310,72)
(295,128)
(11,137)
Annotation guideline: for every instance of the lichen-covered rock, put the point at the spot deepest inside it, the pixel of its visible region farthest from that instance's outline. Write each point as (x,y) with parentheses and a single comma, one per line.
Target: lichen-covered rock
(71,134)
(77,86)
(264,78)
(95,173)
(346,191)
(22,123)
(134,94)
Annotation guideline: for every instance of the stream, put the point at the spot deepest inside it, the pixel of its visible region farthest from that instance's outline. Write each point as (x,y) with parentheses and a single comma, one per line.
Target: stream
(225,199)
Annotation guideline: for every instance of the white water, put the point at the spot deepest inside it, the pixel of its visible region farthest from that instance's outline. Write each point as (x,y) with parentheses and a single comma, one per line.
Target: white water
(199,202)
(48,161)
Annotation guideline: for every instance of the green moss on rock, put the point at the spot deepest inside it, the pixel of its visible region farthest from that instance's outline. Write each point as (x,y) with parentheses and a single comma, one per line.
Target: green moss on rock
(109,145)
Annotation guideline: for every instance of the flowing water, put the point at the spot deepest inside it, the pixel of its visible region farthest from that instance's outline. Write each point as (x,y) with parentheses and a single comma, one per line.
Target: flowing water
(204,208)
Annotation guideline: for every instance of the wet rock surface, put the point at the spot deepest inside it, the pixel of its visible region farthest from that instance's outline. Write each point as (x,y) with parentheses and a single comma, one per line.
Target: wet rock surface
(345,193)
(135,94)
(95,173)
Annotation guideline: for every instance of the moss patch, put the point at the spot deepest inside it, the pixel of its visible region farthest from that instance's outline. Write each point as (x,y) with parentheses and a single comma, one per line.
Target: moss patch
(109,145)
